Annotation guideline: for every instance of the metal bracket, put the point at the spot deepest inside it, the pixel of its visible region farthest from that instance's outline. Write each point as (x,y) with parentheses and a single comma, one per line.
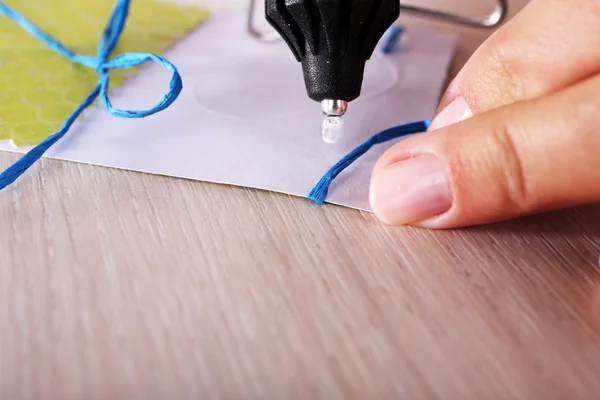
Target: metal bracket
(255,33)
(491,21)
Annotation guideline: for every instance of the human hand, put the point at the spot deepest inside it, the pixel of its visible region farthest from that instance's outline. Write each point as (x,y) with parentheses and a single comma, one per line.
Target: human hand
(517,132)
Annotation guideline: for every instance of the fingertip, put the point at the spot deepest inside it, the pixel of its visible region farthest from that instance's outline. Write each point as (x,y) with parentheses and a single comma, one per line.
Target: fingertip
(412,190)
(406,148)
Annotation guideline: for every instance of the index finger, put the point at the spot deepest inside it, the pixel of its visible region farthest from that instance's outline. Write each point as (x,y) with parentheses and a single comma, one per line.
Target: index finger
(549,45)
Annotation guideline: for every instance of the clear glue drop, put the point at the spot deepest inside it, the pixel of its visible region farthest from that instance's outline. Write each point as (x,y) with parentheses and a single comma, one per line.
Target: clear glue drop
(332,129)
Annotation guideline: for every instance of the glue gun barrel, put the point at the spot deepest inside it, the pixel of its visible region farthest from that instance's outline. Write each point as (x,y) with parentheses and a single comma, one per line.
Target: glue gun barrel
(333,39)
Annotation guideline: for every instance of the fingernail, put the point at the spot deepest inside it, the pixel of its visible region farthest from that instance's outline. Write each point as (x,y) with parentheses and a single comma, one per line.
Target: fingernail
(458,110)
(411,191)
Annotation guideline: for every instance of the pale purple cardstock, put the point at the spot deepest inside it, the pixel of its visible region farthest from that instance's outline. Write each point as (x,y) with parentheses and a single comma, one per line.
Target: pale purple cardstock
(243,117)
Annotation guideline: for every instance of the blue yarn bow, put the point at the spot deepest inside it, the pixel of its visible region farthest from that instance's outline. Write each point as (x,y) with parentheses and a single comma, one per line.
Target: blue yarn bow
(102,65)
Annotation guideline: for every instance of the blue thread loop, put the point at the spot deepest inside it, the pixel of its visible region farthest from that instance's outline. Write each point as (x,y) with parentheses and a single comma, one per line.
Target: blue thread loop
(319,193)
(102,66)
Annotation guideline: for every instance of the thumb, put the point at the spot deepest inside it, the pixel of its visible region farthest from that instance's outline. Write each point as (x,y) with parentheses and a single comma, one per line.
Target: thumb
(519,159)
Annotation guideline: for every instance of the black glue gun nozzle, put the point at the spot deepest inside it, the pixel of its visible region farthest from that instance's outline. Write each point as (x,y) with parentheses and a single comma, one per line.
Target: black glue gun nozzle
(333,39)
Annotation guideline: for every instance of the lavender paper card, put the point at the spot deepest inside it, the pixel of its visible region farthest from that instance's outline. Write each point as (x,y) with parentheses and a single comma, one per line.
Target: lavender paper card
(243,117)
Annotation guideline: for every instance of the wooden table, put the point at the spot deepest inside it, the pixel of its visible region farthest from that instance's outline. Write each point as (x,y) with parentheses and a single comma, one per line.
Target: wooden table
(120,285)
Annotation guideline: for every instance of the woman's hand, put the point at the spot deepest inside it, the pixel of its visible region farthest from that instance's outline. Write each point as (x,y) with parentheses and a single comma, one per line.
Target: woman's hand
(517,132)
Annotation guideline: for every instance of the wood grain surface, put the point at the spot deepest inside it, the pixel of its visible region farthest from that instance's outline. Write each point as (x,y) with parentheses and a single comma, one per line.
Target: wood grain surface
(119,285)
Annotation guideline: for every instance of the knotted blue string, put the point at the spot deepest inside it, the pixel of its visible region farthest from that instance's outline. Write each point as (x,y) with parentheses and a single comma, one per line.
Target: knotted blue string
(102,65)
(319,193)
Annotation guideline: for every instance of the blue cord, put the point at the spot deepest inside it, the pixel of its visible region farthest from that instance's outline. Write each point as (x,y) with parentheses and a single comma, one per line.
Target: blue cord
(102,66)
(394,35)
(319,193)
